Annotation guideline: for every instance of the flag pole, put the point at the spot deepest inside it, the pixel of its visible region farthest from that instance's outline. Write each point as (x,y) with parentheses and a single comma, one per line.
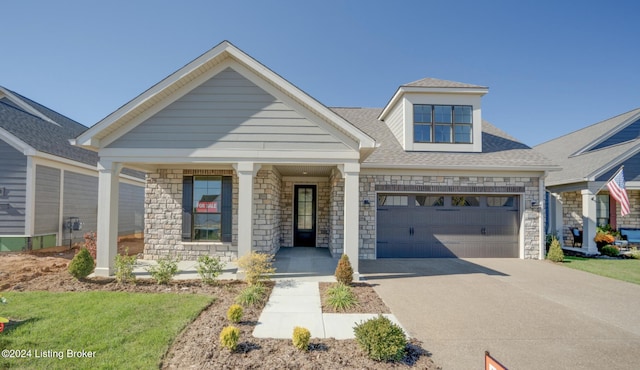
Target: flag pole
(608,181)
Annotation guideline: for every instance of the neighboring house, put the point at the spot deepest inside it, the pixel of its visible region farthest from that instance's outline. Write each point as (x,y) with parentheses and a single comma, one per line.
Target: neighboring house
(44,180)
(241,160)
(578,196)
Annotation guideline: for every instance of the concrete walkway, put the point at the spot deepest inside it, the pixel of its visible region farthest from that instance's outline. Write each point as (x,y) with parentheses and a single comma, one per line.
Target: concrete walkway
(297,303)
(529,314)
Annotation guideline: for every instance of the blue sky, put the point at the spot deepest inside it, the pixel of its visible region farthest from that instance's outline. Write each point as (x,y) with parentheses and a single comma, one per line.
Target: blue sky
(552,67)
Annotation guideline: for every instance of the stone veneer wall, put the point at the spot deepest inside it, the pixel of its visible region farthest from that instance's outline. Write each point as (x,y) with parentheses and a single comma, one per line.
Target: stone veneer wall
(632,220)
(531,220)
(336,214)
(571,214)
(322,211)
(163,218)
(267,222)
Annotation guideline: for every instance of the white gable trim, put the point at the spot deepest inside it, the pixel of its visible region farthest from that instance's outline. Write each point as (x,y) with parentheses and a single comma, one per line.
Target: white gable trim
(613,163)
(24,105)
(621,126)
(178,81)
(16,143)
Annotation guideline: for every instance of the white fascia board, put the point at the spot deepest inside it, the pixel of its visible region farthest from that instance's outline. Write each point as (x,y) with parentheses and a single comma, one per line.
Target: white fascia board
(613,163)
(26,106)
(65,164)
(16,143)
(461,168)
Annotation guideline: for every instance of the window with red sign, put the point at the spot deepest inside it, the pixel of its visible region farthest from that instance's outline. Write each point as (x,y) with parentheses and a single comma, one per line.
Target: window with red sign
(207,199)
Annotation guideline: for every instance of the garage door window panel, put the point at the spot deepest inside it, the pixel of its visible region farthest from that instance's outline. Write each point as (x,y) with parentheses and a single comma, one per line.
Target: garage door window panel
(465,201)
(429,201)
(393,200)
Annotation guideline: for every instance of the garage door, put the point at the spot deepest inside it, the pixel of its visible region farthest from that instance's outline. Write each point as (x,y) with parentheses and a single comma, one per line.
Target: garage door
(445,226)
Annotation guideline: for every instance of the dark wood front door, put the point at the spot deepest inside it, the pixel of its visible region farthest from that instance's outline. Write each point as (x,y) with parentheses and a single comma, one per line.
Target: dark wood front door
(304,216)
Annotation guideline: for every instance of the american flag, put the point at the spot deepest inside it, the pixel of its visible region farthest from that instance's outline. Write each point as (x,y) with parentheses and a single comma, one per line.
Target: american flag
(619,193)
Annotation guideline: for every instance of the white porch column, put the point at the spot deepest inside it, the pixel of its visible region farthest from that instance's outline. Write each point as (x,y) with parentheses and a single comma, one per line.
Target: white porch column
(589,222)
(107,230)
(246,171)
(351,174)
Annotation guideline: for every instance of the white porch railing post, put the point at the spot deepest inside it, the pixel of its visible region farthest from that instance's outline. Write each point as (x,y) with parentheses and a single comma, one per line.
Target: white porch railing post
(107,230)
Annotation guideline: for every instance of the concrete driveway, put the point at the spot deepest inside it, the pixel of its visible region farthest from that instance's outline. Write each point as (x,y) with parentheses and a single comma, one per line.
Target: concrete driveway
(529,314)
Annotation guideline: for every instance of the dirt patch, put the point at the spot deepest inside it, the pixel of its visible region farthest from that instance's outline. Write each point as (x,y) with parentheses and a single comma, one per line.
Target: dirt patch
(197,346)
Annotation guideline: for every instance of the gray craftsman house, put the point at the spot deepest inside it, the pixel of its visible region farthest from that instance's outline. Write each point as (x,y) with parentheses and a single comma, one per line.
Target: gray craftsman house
(45,182)
(577,196)
(238,159)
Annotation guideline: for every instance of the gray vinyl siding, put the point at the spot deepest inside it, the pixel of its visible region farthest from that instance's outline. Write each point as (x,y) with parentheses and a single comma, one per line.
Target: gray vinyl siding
(80,200)
(13,177)
(229,112)
(395,122)
(47,200)
(631,132)
(131,209)
(631,170)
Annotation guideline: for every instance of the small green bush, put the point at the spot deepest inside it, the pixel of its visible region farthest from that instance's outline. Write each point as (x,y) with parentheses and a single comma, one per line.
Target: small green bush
(555,251)
(301,337)
(164,271)
(257,267)
(381,339)
(81,265)
(344,271)
(124,268)
(229,337)
(234,313)
(251,295)
(209,268)
(340,297)
(610,250)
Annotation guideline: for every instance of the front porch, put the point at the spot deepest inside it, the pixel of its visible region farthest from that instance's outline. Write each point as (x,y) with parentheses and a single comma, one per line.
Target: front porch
(255,208)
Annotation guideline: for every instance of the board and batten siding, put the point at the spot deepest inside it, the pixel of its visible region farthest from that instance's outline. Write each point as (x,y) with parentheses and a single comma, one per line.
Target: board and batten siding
(131,209)
(395,121)
(13,178)
(47,200)
(229,112)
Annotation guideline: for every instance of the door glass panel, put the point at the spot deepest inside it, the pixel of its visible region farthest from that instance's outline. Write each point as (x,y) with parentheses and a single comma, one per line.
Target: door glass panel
(393,200)
(429,201)
(305,209)
(465,201)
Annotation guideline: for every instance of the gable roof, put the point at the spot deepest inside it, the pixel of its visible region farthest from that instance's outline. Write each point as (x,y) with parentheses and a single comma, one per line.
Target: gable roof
(183,80)
(592,151)
(499,150)
(40,128)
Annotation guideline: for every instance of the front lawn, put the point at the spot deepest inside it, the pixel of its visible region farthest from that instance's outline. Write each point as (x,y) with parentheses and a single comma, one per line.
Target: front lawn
(117,329)
(620,269)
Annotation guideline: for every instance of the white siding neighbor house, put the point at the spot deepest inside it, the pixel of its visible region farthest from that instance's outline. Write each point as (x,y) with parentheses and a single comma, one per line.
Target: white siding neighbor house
(238,159)
(45,182)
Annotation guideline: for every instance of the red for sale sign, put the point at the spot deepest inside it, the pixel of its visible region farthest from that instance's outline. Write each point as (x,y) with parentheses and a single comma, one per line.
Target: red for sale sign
(207,207)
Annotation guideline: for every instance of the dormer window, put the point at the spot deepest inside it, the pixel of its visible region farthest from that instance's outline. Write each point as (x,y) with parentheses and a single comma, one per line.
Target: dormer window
(442,123)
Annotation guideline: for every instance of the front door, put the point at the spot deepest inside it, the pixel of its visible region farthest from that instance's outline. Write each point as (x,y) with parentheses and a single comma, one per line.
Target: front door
(304,216)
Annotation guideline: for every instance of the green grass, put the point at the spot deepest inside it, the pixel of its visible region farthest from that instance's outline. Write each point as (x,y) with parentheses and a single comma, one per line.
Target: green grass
(125,330)
(620,269)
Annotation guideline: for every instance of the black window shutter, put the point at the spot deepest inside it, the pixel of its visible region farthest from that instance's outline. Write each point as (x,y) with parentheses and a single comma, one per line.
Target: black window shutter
(227,205)
(187,207)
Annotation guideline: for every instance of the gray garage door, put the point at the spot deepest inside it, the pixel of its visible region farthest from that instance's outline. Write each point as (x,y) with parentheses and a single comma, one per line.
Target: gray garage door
(443,226)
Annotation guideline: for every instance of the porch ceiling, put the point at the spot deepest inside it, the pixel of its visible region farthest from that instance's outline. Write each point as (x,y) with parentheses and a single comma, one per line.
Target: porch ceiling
(304,170)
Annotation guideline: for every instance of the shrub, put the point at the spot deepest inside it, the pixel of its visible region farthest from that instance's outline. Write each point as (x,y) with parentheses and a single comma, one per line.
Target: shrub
(164,271)
(209,268)
(555,251)
(340,297)
(90,240)
(344,271)
(301,337)
(257,267)
(251,295)
(234,313)
(634,253)
(604,237)
(229,337)
(610,250)
(381,339)
(81,265)
(124,268)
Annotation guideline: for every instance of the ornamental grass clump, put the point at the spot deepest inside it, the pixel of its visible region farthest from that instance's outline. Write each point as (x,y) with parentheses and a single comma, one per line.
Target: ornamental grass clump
(301,337)
(81,265)
(234,313)
(164,271)
(340,297)
(252,295)
(344,271)
(229,337)
(257,267)
(555,251)
(209,268)
(381,339)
